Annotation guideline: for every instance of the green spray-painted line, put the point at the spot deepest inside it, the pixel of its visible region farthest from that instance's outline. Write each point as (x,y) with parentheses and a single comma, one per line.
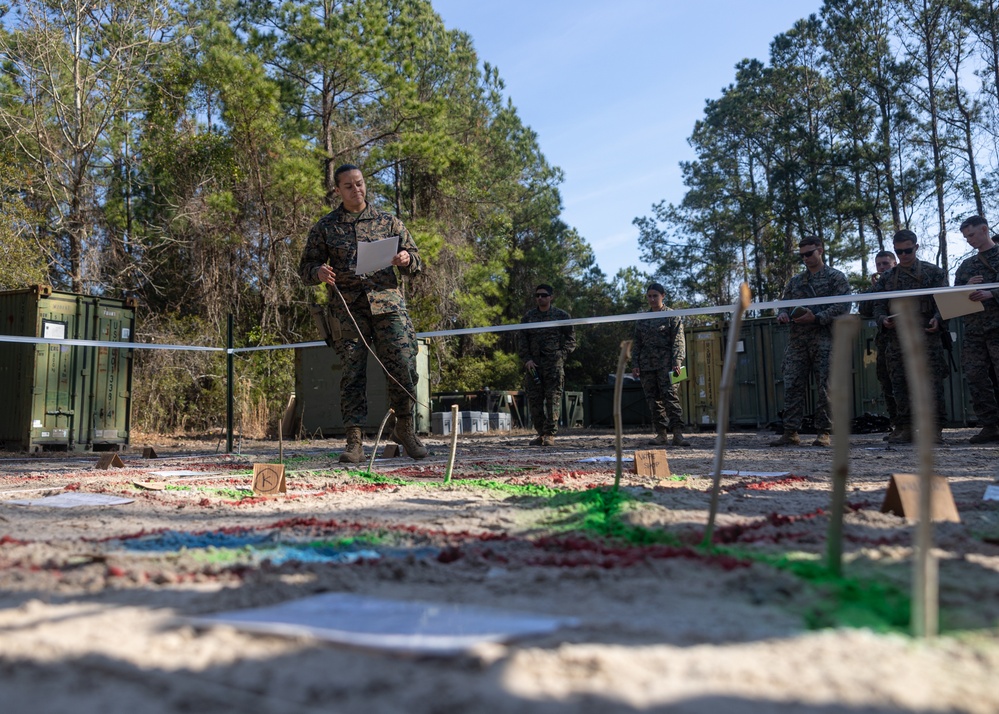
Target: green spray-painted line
(234,493)
(600,510)
(527,490)
(844,601)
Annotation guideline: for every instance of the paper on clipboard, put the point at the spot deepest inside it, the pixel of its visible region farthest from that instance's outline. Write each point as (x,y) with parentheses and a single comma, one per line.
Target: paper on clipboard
(955,304)
(376,255)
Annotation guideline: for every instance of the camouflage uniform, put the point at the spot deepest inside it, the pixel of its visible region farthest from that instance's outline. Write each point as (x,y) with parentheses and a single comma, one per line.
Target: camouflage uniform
(980,349)
(658,346)
(548,348)
(866,310)
(376,303)
(919,276)
(810,346)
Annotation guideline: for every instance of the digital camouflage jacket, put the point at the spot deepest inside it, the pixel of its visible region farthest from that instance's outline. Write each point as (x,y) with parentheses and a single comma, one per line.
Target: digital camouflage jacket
(985,264)
(334,239)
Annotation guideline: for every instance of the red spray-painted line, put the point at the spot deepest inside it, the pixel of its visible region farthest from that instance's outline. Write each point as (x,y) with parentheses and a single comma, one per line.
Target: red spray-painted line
(742,532)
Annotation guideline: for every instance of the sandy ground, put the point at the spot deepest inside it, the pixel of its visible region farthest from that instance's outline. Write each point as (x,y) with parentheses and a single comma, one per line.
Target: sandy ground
(92,598)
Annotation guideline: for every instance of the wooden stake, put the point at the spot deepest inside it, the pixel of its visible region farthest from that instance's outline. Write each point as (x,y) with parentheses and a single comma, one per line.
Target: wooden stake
(454,444)
(378,437)
(845,329)
(724,398)
(622,360)
(925,584)
(280,444)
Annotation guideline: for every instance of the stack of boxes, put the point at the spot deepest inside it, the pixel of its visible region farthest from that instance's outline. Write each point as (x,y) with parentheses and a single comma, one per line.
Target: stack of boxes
(470,422)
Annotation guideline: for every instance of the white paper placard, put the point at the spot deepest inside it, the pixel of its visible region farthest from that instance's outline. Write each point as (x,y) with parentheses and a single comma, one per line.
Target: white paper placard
(376,255)
(74,499)
(396,625)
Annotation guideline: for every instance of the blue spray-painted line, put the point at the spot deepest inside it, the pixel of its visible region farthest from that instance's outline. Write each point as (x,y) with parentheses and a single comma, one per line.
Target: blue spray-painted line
(257,548)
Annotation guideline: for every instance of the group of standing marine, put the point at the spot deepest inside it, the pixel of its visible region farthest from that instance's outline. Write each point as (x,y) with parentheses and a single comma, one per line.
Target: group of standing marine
(370,310)
(810,344)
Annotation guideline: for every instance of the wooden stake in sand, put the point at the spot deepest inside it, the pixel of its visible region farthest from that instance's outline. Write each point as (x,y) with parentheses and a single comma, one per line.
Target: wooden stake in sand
(925,584)
(454,444)
(724,400)
(280,444)
(845,329)
(378,438)
(622,360)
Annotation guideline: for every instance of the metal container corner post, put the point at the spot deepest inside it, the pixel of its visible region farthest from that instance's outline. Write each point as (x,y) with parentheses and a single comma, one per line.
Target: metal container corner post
(230,372)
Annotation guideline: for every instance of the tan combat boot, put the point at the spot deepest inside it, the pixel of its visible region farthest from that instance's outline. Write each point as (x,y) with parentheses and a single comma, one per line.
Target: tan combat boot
(548,440)
(661,439)
(789,438)
(822,439)
(537,441)
(678,439)
(354,452)
(408,438)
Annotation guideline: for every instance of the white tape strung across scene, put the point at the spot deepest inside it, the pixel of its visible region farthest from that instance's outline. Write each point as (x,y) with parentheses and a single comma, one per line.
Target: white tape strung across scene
(104,343)
(518,327)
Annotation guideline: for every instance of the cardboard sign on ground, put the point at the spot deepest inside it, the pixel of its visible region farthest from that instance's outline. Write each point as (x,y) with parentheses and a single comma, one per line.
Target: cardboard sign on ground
(902,498)
(652,462)
(390,451)
(148,453)
(110,459)
(268,479)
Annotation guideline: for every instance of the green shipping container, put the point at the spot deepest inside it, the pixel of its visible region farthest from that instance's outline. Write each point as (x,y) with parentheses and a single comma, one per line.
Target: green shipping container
(65,397)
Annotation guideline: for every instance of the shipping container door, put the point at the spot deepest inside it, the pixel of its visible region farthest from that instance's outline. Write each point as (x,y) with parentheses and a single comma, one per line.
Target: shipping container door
(54,413)
(112,372)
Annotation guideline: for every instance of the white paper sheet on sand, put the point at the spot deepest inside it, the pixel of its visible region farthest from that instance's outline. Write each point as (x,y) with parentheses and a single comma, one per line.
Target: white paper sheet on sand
(376,255)
(604,459)
(758,474)
(396,625)
(991,493)
(74,499)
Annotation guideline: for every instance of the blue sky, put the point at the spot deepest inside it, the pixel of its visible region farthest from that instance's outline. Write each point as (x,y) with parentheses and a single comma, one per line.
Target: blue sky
(613,90)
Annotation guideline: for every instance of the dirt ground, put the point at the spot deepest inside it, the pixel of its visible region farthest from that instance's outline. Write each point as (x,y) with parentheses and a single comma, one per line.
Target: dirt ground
(92,598)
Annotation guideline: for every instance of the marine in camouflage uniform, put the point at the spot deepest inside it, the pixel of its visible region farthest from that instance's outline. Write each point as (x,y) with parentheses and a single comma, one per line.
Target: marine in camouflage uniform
(980,349)
(543,351)
(658,351)
(885,261)
(912,274)
(810,345)
(375,301)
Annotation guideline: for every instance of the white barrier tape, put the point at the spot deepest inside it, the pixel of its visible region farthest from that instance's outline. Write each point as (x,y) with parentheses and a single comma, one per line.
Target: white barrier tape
(521,326)
(101,343)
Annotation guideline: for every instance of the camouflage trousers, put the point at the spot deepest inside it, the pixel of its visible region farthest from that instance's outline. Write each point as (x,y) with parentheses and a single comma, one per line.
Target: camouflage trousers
(393,340)
(884,378)
(979,352)
(545,399)
(807,353)
(663,399)
(937,366)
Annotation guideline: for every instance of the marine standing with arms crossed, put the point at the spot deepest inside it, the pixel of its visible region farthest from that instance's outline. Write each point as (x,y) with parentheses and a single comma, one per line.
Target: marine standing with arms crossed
(980,349)
(376,303)
(543,352)
(658,351)
(810,344)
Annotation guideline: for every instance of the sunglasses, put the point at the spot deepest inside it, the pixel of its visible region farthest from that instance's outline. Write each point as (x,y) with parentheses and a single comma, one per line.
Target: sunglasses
(542,295)
(807,253)
(905,251)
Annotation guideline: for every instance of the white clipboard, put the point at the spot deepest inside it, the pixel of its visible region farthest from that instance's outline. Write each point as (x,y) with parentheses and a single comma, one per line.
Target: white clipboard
(376,255)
